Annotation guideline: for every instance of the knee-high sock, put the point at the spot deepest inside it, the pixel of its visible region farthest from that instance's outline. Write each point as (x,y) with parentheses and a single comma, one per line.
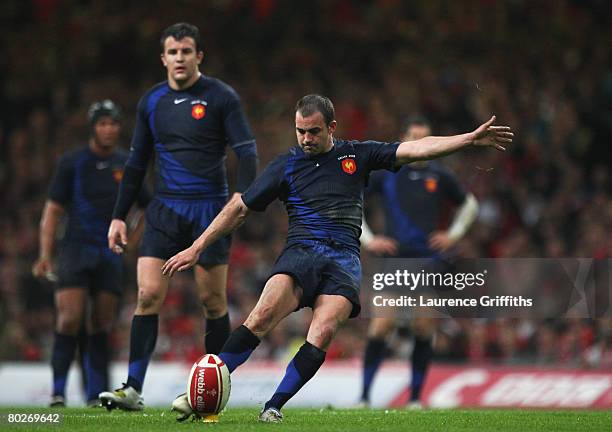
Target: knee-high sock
(142,344)
(64,347)
(421,357)
(375,352)
(217,332)
(96,364)
(238,347)
(304,365)
(81,353)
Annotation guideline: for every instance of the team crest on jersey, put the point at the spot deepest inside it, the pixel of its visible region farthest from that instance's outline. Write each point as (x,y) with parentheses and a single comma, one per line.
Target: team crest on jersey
(349,166)
(431,184)
(117,174)
(198,111)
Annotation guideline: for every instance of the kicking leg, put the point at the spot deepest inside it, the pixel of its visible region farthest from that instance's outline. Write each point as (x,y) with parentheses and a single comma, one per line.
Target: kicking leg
(279,298)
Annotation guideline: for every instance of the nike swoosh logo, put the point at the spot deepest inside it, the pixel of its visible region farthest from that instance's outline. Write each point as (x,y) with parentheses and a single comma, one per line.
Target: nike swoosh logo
(178,101)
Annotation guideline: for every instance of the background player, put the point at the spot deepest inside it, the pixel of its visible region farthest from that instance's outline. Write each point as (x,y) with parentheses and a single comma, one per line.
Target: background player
(321,182)
(187,121)
(84,187)
(412,201)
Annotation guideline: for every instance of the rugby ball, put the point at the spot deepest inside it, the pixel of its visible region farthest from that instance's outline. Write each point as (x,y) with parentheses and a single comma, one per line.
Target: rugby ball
(209,385)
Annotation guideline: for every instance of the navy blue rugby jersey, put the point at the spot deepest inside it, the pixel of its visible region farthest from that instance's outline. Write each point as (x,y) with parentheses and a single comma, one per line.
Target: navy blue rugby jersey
(86,185)
(188,130)
(412,202)
(323,194)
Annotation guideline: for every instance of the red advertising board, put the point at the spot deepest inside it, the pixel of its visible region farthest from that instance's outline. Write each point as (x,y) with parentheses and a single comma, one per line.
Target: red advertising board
(461,386)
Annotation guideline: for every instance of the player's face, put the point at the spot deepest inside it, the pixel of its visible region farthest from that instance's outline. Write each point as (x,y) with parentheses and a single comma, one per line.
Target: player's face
(417,131)
(181,61)
(106,132)
(313,135)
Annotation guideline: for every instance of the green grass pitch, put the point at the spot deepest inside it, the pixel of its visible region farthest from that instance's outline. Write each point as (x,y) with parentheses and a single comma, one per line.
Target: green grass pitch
(245,419)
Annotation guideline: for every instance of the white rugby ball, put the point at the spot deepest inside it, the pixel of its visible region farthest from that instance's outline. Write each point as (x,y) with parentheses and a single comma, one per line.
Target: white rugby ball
(209,385)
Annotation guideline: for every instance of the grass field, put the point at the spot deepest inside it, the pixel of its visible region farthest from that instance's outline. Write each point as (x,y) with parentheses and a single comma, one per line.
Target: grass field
(243,420)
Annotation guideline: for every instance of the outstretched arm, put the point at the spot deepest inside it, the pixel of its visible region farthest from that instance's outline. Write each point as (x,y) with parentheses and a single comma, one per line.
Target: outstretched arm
(432,147)
(229,219)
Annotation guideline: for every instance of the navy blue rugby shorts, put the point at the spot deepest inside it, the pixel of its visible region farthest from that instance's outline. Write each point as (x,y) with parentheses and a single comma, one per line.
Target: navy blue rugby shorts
(319,268)
(172,225)
(91,267)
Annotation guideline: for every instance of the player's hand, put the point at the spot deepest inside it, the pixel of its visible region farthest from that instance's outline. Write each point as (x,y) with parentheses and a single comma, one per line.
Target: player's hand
(441,241)
(381,245)
(488,135)
(43,269)
(117,236)
(181,261)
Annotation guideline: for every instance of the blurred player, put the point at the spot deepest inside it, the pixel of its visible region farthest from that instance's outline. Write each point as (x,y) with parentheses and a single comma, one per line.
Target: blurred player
(187,121)
(84,187)
(412,201)
(321,182)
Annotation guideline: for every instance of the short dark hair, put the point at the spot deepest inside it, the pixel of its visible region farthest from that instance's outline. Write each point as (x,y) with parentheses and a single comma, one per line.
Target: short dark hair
(314,103)
(179,31)
(416,120)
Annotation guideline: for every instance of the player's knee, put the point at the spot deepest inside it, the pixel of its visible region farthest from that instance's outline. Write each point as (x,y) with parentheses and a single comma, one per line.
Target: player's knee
(214,304)
(259,320)
(423,328)
(149,300)
(100,324)
(68,324)
(323,335)
(380,328)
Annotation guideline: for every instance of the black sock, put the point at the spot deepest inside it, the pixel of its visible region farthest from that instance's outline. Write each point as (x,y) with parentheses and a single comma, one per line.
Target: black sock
(238,347)
(304,365)
(142,344)
(421,357)
(64,347)
(375,352)
(217,332)
(81,356)
(96,365)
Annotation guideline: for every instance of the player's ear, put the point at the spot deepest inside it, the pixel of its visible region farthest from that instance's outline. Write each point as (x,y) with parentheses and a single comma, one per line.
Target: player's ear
(331,127)
(163,59)
(200,56)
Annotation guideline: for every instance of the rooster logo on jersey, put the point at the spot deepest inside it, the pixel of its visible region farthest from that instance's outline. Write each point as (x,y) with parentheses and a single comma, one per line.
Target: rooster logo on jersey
(431,184)
(117,175)
(198,111)
(349,166)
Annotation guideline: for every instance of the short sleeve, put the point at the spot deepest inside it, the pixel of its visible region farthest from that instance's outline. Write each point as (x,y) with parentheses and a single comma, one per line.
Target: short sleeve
(61,184)
(378,155)
(267,187)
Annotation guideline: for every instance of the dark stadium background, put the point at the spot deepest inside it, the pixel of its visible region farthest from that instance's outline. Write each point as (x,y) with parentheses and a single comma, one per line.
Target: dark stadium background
(545,68)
